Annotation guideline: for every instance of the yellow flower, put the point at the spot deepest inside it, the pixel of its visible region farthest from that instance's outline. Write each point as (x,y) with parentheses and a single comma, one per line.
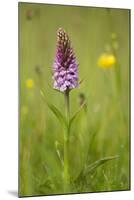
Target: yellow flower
(106,60)
(29,83)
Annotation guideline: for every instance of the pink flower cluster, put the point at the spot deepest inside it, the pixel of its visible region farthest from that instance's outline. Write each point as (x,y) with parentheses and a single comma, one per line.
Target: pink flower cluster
(65,67)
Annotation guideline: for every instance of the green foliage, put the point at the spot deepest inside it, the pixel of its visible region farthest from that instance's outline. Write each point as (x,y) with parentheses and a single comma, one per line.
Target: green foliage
(76,114)
(55,110)
(100,131)
(96,164)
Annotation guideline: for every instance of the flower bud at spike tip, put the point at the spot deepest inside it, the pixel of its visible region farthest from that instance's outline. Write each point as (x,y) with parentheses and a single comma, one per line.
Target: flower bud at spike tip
(65,67)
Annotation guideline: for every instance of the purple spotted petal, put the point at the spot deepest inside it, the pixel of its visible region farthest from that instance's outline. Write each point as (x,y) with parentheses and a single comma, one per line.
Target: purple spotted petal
(65,67)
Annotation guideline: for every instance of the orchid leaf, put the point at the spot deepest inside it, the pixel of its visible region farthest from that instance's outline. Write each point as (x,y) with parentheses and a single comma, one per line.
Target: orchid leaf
(97,164)
(76,114)
(55,110)
(91,168)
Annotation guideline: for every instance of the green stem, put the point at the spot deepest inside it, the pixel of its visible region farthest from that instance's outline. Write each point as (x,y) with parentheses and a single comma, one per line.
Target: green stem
(66,144)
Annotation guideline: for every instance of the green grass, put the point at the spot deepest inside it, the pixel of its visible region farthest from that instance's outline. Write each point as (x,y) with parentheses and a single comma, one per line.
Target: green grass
(102,131)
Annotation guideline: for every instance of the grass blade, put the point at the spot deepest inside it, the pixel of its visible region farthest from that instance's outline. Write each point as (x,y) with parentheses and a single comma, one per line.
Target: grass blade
(59,153)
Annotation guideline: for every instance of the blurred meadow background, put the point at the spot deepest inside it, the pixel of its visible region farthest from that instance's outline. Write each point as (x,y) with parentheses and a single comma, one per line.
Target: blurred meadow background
(100,38)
